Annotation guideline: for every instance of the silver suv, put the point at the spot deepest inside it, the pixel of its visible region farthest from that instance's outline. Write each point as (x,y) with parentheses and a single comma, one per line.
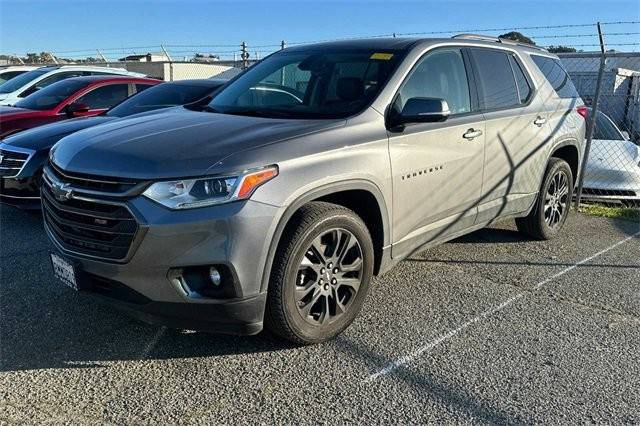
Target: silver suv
(278,200)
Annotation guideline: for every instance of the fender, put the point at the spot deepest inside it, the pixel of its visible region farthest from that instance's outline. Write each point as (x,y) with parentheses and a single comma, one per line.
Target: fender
(564,142)
(314,194)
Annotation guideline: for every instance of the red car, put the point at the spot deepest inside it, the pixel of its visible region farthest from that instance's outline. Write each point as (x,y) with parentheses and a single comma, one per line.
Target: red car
(73,97)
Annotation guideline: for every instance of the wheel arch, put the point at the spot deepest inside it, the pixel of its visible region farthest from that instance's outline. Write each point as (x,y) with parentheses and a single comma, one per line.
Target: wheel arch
(568,151)
(337,192)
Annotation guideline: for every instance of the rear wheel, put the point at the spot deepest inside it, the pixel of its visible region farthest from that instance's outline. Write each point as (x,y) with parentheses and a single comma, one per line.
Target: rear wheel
(551,208)
(321,274)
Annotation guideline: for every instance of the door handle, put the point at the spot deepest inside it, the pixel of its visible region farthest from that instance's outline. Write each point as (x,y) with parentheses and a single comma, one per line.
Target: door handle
(472,133)
(539,121)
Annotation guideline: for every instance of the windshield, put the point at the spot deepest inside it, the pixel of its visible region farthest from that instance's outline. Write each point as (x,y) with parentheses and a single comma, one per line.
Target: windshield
(160,96)
(605,129)
(310,84)
(51,96)
(19,81)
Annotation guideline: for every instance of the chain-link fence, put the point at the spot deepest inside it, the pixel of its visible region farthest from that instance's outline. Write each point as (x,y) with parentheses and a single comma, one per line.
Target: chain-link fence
(609,83)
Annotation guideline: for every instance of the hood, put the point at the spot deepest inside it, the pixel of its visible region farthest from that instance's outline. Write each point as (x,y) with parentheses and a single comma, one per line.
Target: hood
(173,143)
(614,154)
(44,137)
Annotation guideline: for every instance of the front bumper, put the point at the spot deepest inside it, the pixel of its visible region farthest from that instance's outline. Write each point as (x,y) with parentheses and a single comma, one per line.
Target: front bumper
(23,193)
(236,235)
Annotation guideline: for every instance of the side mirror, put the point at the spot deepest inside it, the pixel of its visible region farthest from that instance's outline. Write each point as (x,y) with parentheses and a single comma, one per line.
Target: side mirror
(422,110)
(625,134)
(76,108)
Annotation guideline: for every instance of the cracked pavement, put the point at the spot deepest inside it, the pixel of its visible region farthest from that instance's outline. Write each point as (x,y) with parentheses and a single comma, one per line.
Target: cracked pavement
(567,351)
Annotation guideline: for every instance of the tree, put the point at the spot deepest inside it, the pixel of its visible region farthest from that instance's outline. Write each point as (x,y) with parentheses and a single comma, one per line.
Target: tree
(561,49)
(519,37)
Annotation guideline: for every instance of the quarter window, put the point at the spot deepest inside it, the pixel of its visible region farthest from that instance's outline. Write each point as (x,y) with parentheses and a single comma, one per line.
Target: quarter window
(105,96)
(495,79)
(556,76)
(442,75)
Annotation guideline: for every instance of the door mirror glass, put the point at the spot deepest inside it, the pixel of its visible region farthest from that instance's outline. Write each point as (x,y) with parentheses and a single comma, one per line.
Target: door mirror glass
(76,108)
(423,110)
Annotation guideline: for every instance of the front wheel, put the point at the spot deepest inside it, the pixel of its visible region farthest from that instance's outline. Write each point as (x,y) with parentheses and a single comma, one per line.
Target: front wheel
(552,205)
(321,274)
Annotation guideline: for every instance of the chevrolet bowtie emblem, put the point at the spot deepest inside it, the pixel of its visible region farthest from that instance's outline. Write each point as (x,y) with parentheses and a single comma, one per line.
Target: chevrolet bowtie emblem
(61,191)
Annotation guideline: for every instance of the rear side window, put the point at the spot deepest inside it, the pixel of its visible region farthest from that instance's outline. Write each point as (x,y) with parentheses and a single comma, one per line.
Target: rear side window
(524,88)
(495,79)
(556,76)
(105,97)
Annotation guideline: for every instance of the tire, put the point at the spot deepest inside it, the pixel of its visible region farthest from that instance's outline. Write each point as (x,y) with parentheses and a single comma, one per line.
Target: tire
(299,274)
(543,222)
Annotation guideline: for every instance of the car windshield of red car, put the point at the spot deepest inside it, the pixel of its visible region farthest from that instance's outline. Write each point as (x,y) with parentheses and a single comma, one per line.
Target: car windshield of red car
(51,96)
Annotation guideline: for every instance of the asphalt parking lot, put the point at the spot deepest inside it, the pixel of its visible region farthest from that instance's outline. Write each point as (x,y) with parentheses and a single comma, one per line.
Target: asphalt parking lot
(488,328)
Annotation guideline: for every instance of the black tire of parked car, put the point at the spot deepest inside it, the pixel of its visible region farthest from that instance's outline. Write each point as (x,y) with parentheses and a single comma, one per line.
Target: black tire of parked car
(536,224)
(283,314)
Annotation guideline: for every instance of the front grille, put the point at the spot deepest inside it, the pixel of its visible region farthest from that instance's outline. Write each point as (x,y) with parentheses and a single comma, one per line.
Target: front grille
(93,228)
(12,162)
(94,183)
(608,192)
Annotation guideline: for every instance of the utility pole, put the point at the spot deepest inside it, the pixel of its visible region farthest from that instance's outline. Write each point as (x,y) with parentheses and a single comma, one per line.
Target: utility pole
(244,55)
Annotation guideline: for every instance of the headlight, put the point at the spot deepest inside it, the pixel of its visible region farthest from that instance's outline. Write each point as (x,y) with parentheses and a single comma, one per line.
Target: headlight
(191,193)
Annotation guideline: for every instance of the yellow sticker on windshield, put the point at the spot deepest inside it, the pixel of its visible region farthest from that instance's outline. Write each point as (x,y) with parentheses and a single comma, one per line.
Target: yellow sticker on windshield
(382,56)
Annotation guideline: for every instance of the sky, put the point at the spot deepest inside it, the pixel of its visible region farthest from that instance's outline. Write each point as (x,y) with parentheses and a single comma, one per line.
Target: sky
(70,25)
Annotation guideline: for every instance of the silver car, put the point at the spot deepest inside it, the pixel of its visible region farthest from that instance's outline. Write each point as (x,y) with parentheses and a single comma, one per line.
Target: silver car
(613,168)
(277,201)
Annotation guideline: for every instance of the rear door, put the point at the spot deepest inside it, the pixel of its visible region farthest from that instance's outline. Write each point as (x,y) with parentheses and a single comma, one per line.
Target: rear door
(516,133)
(437,167)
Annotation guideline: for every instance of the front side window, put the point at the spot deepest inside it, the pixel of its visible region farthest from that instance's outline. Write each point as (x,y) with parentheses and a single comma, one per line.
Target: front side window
(442,75)
(308,84)
(556,75)
(51,96)
(56,78)
(105,96)
(495,79)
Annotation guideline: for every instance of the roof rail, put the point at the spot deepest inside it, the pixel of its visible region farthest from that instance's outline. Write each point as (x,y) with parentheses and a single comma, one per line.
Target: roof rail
(496,40)
(470,36)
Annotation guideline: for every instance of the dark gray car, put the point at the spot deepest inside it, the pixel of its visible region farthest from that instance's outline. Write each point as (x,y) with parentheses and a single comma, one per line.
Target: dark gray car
(308,174)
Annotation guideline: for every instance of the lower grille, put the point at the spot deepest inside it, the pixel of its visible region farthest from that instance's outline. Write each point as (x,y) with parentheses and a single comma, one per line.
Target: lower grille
(12,162)
(91,228)
(608,192)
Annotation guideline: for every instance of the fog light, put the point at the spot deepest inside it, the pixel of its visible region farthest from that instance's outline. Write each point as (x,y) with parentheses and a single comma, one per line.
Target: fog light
(214,276)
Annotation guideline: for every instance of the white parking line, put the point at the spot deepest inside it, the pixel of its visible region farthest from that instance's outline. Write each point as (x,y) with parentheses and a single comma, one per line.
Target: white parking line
(406,359)
(154,341)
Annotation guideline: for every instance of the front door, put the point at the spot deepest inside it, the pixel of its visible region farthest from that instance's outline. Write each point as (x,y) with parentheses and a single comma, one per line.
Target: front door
(437,167)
